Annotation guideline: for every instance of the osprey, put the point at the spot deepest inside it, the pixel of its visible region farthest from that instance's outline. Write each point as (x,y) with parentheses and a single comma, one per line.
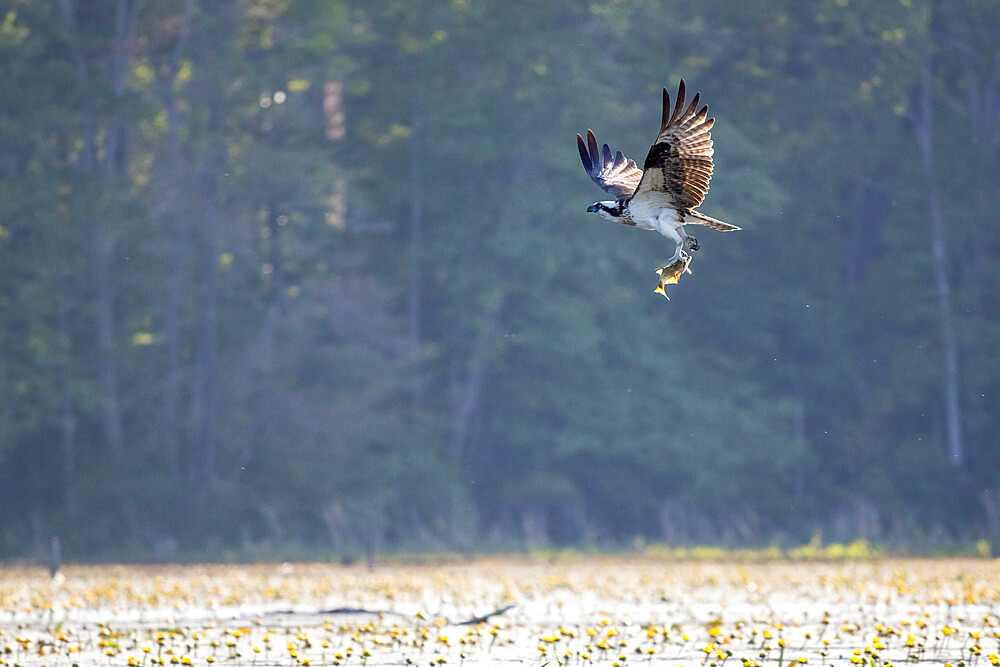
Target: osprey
(672,183)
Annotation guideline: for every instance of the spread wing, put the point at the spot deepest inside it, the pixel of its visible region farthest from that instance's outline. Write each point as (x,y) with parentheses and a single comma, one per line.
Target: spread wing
(679,165)
(615,173)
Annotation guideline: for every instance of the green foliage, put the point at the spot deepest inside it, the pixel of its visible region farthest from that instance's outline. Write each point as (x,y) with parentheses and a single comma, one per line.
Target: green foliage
(327,266)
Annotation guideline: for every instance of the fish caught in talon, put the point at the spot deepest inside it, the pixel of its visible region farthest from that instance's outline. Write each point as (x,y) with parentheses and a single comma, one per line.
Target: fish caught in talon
(671,273)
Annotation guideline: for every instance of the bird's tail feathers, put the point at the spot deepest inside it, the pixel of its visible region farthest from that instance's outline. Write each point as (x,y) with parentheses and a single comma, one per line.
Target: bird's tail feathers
(696,218)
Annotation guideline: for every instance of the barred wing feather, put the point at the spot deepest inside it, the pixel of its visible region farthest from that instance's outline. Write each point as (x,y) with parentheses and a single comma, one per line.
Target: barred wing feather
(679,164)
(614,172)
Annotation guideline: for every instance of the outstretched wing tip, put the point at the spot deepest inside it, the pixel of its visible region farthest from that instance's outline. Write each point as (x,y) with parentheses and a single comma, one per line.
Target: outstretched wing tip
(611,170)
(584,153)
(606,155)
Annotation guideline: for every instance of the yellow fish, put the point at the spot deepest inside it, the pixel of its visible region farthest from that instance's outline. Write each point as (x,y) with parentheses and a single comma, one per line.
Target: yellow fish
(670,274)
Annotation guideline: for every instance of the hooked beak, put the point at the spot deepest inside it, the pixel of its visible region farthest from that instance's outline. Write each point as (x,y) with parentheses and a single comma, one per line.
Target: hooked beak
(592,208)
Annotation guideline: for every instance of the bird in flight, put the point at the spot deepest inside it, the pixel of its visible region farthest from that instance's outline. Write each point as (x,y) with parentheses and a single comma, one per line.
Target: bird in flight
(672,183)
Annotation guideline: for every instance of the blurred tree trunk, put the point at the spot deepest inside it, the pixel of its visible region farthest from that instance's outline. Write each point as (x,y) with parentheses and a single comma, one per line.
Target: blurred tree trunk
(67,413)
(470,388)
(416,215)
(202,445)
(170,411)
(275,308)
(203,390)
(471,384)
(180,240)
(101,250)
(114,166)
(923,128)
(262,396)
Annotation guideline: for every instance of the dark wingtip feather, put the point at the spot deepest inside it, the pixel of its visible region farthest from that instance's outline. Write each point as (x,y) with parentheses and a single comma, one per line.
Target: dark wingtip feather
(665,118)
(595,153)
(679,104)
(694,105)
(584,154)
(605,155)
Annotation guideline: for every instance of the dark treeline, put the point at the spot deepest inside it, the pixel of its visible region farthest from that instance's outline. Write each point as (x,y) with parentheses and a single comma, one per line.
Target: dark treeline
(304,274)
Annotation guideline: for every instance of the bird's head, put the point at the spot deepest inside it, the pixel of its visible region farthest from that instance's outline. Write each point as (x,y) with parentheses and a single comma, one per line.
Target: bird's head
(609,210)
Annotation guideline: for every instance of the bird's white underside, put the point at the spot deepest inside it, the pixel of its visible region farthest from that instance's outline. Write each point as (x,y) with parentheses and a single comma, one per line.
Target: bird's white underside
(656,212)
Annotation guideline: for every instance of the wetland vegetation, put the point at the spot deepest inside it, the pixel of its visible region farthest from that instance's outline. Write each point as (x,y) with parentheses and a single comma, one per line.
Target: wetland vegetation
(595,612)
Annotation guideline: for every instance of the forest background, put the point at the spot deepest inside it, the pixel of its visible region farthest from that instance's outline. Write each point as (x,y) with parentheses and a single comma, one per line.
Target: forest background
(316,276)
